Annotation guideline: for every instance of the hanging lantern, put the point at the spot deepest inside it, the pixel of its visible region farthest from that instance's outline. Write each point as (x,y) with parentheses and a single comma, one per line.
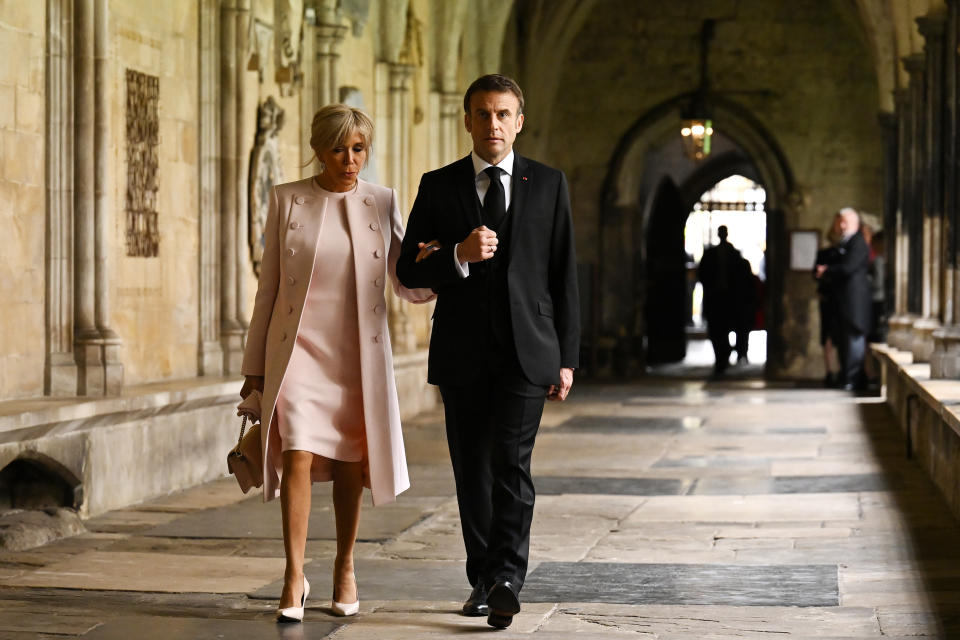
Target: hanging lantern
(696,124)
(696,133)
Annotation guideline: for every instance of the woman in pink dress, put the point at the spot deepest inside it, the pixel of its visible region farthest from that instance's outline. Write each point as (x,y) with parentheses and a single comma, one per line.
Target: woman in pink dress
(318,347)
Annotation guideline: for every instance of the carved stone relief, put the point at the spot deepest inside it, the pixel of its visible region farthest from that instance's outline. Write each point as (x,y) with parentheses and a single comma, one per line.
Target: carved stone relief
(265,172)
(143,139)
(288,20)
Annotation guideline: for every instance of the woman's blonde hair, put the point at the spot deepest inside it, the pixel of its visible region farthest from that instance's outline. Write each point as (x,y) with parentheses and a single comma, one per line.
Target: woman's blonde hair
(334,123)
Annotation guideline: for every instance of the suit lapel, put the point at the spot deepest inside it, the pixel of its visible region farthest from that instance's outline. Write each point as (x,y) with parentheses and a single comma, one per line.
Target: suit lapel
(519,189)
(466,182)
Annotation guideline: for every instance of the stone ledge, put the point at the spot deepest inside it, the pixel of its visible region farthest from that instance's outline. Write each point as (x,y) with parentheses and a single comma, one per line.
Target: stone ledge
(930,423)
(20,414)
(941,395)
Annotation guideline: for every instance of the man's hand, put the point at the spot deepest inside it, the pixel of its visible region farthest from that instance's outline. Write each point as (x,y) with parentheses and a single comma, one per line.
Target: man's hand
(427,248)
(820,269)
(251,383)
(559,393)
(480,245)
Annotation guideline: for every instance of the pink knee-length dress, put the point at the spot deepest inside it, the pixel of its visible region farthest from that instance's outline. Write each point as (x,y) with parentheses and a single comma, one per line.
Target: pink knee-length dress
(324,369)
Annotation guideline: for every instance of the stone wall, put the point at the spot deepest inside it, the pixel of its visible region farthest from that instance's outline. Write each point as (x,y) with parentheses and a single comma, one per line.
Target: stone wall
(22,152)
(155,298)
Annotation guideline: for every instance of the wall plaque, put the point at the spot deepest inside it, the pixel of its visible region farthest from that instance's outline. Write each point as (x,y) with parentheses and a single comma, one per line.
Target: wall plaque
(143,140)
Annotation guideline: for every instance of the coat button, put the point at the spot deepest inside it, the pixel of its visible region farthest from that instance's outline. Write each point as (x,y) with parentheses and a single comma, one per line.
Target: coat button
(298,200)
(378,282)
(374,226)
(376,338)
(378,253)
(291,252)
(291,280)
(378,309)
(290,310)
(294,225)
(283,336)
(368,201)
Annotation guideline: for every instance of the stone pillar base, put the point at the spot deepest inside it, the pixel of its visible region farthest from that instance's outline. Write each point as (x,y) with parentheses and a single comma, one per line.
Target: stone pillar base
(60,375)
(899,335)
(99,370)
(210,358)
(112,367)
(945,361)
(922,343)
(231,342)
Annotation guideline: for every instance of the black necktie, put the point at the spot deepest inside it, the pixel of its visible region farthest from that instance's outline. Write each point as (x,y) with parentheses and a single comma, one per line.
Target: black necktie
(494,203)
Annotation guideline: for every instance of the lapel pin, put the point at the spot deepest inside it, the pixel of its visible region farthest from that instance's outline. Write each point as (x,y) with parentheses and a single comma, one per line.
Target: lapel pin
(524,178)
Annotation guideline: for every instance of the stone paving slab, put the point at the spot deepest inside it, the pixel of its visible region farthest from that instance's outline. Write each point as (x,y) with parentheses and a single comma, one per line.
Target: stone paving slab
(711,622)
(168,628)
(627,425)
(765,508)
(12,621)
(384,580)
(558,485)
(707,584)
(411,620)
(123,571)
(253,518)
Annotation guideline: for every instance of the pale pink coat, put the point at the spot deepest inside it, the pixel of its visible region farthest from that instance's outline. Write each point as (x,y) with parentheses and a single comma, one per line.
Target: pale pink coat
(293,228)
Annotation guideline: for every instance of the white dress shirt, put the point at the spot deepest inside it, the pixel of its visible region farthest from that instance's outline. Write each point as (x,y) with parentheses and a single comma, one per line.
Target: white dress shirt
(482,183)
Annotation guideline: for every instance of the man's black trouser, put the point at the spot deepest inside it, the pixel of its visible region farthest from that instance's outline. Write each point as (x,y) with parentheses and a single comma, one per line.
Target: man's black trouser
(491,428)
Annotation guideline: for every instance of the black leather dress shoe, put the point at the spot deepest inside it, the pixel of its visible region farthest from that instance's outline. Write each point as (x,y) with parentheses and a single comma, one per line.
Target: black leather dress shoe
(504,604)
(476,604)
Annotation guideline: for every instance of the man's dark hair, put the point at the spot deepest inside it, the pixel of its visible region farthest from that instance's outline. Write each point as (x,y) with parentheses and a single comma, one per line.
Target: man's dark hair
(493,82)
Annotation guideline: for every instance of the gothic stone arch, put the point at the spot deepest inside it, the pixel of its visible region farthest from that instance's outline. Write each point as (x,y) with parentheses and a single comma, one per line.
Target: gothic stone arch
(618,316)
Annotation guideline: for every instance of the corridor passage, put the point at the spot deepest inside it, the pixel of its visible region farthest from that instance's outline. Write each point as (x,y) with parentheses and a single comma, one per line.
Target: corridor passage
(666,509)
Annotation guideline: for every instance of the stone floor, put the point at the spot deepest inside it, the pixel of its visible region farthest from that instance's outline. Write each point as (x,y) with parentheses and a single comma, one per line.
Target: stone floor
(668,508)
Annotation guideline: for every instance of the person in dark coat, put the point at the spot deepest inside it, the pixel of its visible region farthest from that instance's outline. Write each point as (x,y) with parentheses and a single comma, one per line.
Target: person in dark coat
(830,334)
(721,273)
(851,285)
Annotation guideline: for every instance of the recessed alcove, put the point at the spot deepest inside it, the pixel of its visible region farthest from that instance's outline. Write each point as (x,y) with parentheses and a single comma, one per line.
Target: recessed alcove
(38,482)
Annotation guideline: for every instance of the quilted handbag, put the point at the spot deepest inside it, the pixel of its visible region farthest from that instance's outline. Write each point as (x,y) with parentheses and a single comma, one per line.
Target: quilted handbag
(245,460)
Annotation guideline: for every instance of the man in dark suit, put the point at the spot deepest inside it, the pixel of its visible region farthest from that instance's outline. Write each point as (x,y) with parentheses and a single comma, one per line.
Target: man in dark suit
(492,234)
(722,272)
(849,278)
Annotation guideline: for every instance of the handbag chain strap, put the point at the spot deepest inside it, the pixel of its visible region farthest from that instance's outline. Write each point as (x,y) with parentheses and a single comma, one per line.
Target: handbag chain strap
(243,427)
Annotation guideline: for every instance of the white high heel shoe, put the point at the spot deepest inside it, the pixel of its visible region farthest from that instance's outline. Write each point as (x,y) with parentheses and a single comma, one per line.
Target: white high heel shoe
(295,614)
(345,609)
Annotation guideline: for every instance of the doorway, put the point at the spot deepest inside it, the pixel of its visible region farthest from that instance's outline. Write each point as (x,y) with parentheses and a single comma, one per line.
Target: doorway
(738,204)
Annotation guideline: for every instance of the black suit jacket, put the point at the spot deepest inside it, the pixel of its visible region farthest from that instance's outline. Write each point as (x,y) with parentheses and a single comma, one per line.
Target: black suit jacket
(850,282)
(541,272)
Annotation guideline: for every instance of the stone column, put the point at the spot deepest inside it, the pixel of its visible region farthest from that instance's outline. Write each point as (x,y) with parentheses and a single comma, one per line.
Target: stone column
(60,368)
(328,35)
(87,346)
(451,119)
(210,358)
(398,141)
(231,331)
(945,362)
(932,27)
(891,185)
(322,40)
(109,340)
(902,320)
(241,166)
(917,301)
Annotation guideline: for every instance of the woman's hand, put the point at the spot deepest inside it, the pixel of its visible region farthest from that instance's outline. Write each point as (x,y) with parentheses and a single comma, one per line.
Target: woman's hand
(426,248)
(250,384)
